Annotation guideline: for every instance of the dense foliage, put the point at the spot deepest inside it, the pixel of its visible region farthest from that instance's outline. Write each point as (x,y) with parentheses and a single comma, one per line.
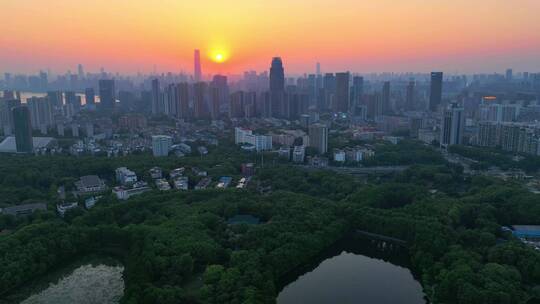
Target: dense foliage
(179,248)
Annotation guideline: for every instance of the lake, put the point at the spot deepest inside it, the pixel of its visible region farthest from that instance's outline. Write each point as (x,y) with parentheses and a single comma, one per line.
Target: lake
(355,270)
(89,281)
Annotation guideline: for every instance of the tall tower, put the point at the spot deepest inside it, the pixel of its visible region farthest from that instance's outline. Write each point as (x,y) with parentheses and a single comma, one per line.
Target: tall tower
(386,98)
(197,66)
(435,93)
(411,96)
(277,87)
(23,129)
(155,97)
(107,93)
(277,75)
(318,68)
(341,103)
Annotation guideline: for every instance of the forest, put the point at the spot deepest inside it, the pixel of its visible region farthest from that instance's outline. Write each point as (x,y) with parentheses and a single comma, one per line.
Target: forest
(177,247)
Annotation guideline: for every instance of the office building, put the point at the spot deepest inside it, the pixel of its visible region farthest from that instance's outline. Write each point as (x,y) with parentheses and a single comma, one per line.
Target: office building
(107,94)
(197,72)
(90,96)
(156,97)
(200,101)
(277,87)
(161,145)
(6,116)
(318,137)
(41,113)
(23,129)
(452,125)
(341,101)
(435,93)
(385,99)
(410,96)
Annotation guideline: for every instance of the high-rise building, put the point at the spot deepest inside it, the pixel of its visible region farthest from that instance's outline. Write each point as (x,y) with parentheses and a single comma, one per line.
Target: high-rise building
(107,94)
(156,97)
(509,75)
(219,94)
(411,96)
(277,87)
(452,125)
(385,102)
(201,100)
(236,108)
(90,96)
(161,145)
(80,71)
(356,94)
(41,113)
(183,94)
(23,129)
(341,102)
(197,73)
(6,116)
(56,98)
(318,137)
(435,93)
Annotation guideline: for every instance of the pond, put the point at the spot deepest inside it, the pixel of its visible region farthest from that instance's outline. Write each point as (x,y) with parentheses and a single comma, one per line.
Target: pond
(90,280)
(355,270)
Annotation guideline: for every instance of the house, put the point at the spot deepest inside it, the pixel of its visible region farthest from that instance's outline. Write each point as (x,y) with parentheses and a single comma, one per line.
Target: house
(125,176)
(199,172)
(25,209)
(181,183)
(339,156)
(91,202)
(177,172)
(155,173)
(65,207)
(163,185)
(203,183)
(124,193)
(299,153)
(224,182)
(90,184)
(202,150)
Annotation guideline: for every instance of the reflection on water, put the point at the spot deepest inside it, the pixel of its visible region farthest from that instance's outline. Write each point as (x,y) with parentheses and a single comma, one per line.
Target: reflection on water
(87,284)
(353,273)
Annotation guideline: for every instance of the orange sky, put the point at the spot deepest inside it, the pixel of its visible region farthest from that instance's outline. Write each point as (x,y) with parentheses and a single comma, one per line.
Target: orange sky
(357,35)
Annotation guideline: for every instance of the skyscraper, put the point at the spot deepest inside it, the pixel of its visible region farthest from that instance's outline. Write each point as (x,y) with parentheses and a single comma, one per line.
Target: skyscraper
(23,129)
(183,108)
(341,102)
(410,97)
(90,96)
(435,93)
(107,94)
(155,97)
(41,113)
(277,86)
(80,72)
(6,116)
(197,73)
(318,137)
(452,125)
(357,92)
(386,98)
(201,100)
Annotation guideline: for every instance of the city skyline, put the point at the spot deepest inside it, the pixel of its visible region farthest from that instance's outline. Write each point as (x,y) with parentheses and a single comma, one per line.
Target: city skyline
(387,36)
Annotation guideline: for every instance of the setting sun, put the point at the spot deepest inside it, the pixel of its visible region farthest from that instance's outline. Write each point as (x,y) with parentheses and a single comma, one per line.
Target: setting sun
(219,57)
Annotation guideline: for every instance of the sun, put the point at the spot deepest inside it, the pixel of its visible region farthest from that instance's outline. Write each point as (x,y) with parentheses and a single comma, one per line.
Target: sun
(219,57)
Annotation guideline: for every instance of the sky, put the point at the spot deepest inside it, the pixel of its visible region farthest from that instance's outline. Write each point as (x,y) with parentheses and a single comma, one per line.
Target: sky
(130,36)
